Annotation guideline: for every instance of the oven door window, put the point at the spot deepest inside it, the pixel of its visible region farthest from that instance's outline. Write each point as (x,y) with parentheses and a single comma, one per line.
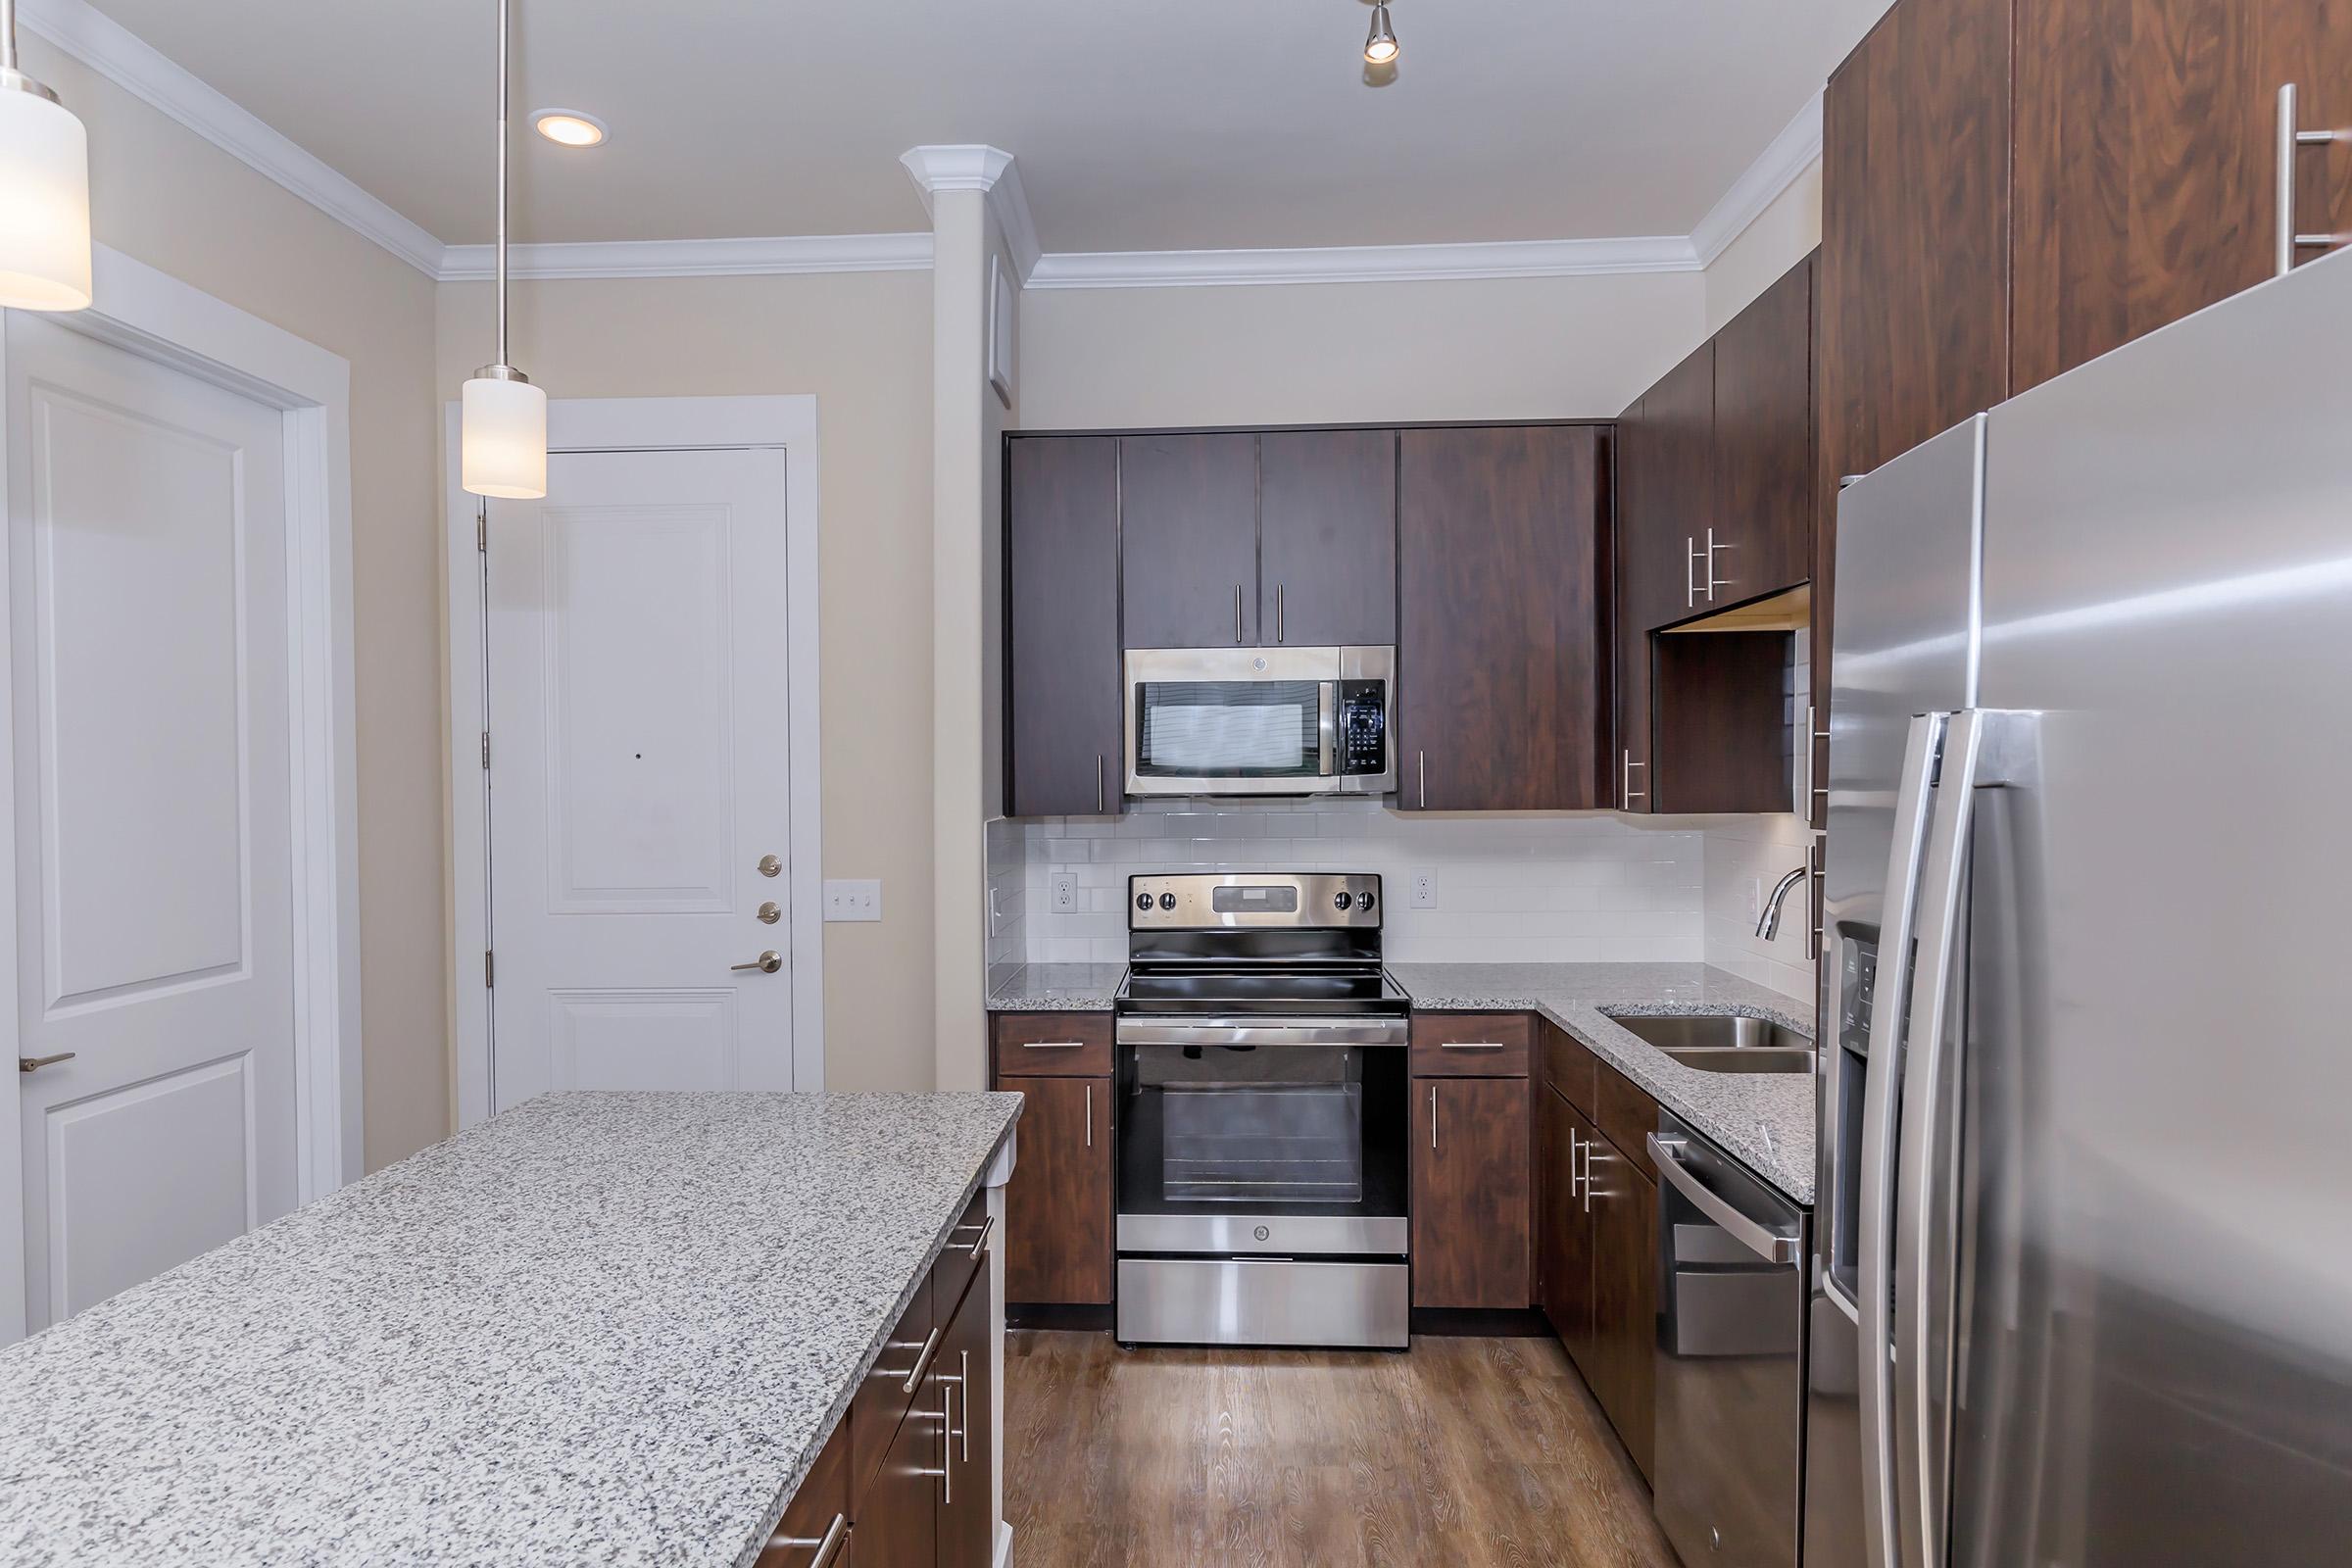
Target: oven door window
(1229,729)
(1281,1129)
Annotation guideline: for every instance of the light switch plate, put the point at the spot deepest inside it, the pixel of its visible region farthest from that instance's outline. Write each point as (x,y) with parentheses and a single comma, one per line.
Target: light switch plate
(1425,890)
(1063,896)
(853,900)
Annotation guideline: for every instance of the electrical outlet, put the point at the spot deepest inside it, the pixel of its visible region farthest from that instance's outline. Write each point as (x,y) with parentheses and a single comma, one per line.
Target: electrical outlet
(853,900)
(1062,893)
(1425,890)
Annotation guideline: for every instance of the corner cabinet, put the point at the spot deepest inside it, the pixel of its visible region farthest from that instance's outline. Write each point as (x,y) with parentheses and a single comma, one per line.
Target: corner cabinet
(1502,576)
(1063,746)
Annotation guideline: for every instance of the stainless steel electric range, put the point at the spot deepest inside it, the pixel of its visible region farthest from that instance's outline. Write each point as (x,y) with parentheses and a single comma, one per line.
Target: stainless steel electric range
(1262,1088)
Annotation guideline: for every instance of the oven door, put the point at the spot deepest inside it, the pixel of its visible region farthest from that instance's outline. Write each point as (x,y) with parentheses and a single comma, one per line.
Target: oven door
(1233,721)
(1242,1138)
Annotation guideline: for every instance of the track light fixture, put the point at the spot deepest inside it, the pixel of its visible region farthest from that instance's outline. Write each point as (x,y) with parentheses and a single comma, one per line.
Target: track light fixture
(1381,48)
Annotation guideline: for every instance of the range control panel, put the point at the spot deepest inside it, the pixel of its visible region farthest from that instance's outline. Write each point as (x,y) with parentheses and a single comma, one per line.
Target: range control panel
(1234,900)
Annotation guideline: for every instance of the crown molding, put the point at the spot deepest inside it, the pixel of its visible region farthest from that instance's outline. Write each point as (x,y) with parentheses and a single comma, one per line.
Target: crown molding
(1364,263)
(696,258)
(1788,155)
(138,69)
(992,171)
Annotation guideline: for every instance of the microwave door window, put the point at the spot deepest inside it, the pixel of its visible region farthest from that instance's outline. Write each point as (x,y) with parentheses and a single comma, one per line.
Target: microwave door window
(1199,729)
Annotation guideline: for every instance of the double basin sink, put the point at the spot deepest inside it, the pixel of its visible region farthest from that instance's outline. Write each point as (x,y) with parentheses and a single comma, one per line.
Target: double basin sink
(1722,1043)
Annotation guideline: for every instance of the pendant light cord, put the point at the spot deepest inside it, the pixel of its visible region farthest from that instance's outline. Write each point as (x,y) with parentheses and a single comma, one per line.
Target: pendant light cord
(8,35)
(501,174)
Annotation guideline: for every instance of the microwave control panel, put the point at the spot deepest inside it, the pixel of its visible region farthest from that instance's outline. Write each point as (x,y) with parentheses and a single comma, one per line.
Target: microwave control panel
(1363,728)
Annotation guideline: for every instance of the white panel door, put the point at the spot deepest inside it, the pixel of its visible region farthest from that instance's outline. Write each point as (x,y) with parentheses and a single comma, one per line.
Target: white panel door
(153,822)
(638,776)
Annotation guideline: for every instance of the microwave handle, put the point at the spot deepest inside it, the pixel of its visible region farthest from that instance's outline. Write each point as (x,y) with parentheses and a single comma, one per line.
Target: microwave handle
(1327,726)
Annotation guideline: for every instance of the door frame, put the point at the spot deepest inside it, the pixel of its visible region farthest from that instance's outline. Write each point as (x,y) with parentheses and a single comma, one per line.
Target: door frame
(637,424)
(159,318)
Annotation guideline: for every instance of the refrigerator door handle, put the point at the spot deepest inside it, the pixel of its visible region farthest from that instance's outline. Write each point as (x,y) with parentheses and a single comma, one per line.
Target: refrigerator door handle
(1982,749)
(1874,1223)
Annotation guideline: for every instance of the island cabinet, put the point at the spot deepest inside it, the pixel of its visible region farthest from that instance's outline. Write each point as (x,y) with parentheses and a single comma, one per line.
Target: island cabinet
(815,1528)
(1062,729)
(1057,1206)
(1596,1226)
(1471,1132)
(1502,571)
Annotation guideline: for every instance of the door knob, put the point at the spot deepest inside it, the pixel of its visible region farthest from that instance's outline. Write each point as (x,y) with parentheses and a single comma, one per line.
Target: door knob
(768,962)
(769,865)
(36,1064)
(768,913)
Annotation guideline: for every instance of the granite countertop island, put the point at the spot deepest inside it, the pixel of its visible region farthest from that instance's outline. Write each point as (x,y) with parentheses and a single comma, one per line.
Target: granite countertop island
(1765,1120)
(610,1328)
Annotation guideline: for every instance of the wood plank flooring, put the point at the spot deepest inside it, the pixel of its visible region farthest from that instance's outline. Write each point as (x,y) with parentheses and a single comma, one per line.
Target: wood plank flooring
(1464,1452)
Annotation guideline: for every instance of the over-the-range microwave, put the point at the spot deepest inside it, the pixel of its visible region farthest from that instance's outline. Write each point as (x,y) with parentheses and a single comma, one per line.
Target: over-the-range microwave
(1260,721)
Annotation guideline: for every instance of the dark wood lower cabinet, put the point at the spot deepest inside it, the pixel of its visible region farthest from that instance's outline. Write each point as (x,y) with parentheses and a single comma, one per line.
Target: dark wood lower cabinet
(964,1393)
(818,1510)
(1564,1239)
(1057,1206)
(897,1512)
(1471,1213)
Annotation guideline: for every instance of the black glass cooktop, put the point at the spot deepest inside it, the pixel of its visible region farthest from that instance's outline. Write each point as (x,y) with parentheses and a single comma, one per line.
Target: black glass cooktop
(1205,989)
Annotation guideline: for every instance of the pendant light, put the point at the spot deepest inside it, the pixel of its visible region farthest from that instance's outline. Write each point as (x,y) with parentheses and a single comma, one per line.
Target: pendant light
(1380,48)
(45,191)
(503,420)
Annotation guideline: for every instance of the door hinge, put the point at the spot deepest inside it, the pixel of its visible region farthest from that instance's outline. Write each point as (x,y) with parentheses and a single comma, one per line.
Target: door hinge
(489,968)
(485,748)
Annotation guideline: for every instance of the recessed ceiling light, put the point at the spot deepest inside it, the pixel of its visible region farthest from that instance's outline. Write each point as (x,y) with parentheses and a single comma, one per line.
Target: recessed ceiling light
(569,128)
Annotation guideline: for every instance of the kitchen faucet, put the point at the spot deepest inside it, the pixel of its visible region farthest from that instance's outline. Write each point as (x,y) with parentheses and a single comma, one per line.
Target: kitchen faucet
(1768,924)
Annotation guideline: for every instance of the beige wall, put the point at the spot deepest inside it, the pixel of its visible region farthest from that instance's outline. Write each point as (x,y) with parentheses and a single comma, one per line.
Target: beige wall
(182,206)
(861,342)
(1518,348)
(1775,242)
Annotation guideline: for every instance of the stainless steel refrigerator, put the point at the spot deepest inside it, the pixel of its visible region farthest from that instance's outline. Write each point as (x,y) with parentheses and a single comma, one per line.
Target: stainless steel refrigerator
(2082,1285)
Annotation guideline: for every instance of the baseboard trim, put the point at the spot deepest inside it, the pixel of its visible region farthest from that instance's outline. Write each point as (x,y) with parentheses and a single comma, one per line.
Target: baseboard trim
(1504,1323)
(1058,1315)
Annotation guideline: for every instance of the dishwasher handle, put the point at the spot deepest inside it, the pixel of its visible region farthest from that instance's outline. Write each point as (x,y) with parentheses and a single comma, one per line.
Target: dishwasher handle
(1774,1247)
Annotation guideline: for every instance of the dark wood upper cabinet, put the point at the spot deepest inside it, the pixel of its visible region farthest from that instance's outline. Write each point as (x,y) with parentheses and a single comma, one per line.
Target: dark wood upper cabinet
(2147,166)
(1678,469)
(1720,721)
(1057,1206)
(1063,751)
(1636,551)
(1763,449)
(1187,511)
(1502,584)
(1327,538)
(1471,1208)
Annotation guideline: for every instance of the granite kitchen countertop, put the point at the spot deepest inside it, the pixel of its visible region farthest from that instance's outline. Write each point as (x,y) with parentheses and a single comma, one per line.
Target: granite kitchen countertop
(1053,987)
(611,1328)
(1765,1120)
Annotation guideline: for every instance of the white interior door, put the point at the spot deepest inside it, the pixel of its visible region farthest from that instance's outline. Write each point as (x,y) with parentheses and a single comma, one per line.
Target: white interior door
(153,813)
(639,776)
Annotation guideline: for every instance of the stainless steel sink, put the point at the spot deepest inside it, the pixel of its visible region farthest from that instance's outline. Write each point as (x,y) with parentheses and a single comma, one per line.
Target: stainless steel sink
(1722,1043)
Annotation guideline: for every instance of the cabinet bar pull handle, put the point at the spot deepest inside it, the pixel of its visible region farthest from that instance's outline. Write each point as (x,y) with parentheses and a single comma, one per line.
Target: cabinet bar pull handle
(1278,611)
(1099,796)
(1237,612)
(1090,1116)
(922,1364)
(828,1548)
(1424,781)
(1575,1182)
(2290,141)
(1690,583)
(1469,1044)
(1714,583)
(1053,1045)
(1433,1116)
(947,1442)
(980,1242)
(1632,793)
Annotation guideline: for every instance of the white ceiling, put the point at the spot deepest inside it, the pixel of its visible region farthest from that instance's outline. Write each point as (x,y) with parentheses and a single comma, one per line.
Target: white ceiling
(1138,125)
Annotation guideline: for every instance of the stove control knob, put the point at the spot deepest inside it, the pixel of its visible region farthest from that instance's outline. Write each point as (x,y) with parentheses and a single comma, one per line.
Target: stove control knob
(1342,901)
(1142,901)
(1364,901)
(1167,901)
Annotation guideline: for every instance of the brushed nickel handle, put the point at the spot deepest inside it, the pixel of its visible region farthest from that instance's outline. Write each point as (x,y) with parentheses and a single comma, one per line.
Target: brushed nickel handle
(829,1546)
(1090,1116)
(768,962)
(768,913)
(966,1380)
(1278,611)
(1433,1116)
(946,1440)
(922,1364)
(1714,583)
(1632,793)
(1424,781)
(2291,140)
(769,865)
(1690,583)
(36,1064)
(1051,1044)
(1098,794)
(980,1242)
(1469,1044)
(1575,1182)
(1237,612)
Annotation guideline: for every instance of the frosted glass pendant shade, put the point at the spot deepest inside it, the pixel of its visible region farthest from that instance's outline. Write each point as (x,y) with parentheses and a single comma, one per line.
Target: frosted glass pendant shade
(502,439)
(44,205)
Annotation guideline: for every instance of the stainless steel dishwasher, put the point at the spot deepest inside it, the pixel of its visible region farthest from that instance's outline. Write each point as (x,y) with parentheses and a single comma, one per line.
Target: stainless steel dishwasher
(1731,1383)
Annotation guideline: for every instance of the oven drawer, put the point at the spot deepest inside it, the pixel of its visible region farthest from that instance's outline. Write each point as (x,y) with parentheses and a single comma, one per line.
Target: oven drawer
(1471,1045)
(1167,1300)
